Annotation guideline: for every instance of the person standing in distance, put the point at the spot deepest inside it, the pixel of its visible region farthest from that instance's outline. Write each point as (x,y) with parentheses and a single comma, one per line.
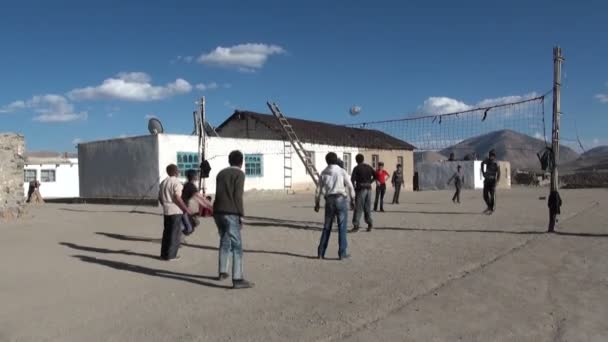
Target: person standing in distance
(228,213)
(458,179)
(397,181)
(336,186)
(491,177)
(362,178)
(381,177)
(170,197)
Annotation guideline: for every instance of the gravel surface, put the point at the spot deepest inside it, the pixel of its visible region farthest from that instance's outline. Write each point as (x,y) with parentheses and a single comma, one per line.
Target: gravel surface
(430,271)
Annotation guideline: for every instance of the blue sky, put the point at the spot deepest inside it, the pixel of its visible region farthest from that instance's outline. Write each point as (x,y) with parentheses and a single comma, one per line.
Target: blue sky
(86,70)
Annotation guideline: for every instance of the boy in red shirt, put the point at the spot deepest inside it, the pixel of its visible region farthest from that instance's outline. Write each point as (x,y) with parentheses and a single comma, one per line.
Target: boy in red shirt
(381,177)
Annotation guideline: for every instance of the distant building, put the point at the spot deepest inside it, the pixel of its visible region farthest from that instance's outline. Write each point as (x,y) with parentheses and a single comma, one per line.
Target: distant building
(132,168)
(57,174)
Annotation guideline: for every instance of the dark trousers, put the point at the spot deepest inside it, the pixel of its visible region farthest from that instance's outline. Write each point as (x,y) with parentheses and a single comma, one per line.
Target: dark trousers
(171,236)
(397,192)
(380,192)
(456,197)
(334,206)
(363,206)
(489,194)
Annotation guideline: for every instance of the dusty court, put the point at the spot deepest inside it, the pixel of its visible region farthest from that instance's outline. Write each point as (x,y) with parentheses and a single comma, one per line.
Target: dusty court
(430,271)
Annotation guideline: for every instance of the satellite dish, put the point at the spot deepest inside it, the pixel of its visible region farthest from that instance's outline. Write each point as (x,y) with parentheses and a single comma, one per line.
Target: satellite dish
(154,126)
(355,110)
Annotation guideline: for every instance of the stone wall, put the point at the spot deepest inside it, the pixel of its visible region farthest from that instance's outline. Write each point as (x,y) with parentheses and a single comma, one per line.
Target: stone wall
(12,147)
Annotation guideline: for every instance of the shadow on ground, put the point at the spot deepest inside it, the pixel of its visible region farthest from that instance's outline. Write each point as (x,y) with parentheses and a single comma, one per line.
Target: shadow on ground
(107,251)
(204,247)
(123,266)
(111,211)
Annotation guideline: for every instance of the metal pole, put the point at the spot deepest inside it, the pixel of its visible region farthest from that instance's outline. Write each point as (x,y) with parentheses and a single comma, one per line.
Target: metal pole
(554,198)
(202,145)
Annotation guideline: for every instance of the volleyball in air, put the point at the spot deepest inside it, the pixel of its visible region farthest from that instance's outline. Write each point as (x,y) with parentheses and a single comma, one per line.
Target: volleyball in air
(355,110)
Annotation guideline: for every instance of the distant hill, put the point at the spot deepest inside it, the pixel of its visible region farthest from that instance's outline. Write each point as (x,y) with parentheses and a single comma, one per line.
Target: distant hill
(517,148)
(592,160)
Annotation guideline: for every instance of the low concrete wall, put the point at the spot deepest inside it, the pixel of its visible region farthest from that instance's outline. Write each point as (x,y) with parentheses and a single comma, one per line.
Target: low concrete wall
(12,147)
(435,175)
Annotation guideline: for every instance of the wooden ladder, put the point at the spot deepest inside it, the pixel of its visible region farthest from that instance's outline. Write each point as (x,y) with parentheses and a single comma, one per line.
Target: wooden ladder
(295,142)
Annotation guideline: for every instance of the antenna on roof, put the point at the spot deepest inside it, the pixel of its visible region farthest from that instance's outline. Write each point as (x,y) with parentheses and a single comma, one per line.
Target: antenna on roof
(155,126)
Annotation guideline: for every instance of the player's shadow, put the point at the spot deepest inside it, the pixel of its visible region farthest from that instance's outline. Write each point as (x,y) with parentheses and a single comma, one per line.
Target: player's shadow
(154,272)
(508,232)
(112,211)
(107,251)
(203,247)
(426,212)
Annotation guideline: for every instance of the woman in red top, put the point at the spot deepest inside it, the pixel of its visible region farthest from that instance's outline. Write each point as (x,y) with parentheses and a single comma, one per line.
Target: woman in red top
(381,177)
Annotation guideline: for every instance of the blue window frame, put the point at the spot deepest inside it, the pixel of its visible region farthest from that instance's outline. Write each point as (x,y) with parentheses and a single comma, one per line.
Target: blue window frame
(254,165)
(187,161)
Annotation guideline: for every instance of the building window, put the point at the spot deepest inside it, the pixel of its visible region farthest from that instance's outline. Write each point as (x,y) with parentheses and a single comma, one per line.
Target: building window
(47,176)
(29,175)
(254,165)
(187,161)
(375,160)
(400,160)
(311,156)
(346,158)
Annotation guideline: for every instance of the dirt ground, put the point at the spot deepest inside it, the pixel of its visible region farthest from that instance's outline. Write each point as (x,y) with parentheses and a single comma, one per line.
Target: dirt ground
(430,271)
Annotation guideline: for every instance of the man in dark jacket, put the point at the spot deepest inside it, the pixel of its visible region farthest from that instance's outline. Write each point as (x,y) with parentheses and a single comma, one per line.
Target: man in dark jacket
(362,178)
(491,177)
(397,181)
(228,213)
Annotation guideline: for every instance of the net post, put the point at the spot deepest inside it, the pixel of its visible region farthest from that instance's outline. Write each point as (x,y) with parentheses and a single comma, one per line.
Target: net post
(554,202)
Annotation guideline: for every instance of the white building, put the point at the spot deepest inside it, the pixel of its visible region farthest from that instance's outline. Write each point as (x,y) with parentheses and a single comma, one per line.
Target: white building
(58,176)
(435,175)
(132,168)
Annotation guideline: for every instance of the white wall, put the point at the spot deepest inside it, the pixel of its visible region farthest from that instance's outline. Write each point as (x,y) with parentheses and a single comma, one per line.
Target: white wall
(435,175)
(217,155)
(273,160)
(66,183)
(119,168)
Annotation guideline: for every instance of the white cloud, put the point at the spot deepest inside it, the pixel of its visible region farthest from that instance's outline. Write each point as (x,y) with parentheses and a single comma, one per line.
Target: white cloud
(441,105)
(185,59)
(133,86)
(13,106)
(244,57)
(208,86)
(76,141)
(505,99)
(444,105)
(150,116)
(603,98)
(538,135)
(49,108)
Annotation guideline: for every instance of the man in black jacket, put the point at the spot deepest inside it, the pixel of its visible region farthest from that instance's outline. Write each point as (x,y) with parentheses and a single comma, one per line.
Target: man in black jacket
(362,178)
(491,177)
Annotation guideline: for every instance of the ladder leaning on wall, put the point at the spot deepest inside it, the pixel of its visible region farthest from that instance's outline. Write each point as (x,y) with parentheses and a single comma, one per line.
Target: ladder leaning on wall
(295,142)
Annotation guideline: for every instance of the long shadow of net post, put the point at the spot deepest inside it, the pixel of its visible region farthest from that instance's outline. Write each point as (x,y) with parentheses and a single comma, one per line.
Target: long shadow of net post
(123,266)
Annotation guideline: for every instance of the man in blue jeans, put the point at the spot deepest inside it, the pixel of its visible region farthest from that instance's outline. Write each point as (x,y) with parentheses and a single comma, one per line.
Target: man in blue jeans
(336,186)
(228,212)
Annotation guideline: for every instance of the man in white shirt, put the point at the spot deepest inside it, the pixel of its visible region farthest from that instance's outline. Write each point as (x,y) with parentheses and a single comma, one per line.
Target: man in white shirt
(335,185)
(170,197)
